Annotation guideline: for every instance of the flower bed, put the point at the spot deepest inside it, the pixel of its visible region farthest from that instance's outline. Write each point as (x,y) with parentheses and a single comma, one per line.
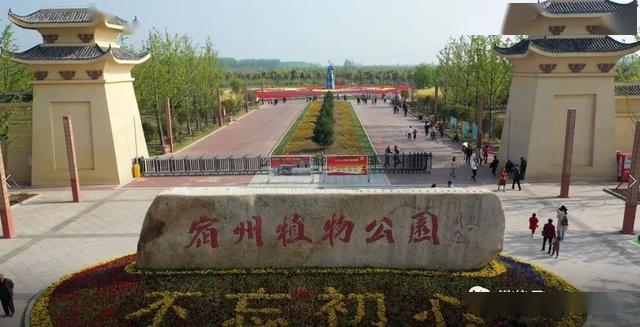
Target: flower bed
(350,136)
(301,133)
(116,294)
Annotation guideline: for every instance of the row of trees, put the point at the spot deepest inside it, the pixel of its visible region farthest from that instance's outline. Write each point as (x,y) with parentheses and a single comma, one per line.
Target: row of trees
(183,71)
(470,71)
(14,81)
(318,75)
(323,132)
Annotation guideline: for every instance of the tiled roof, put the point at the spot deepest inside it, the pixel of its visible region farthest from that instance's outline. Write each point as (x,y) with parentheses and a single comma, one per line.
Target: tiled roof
(569,45)
(64,16)
(123,54)
(67,53)
(583,7)
(627,89)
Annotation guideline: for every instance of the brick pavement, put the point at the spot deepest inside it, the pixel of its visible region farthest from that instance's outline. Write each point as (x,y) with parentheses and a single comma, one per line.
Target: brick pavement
(56,237)
(386,129)
(253,134)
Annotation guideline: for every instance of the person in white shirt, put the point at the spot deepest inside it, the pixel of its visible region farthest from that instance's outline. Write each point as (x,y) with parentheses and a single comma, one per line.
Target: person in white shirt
(474,169)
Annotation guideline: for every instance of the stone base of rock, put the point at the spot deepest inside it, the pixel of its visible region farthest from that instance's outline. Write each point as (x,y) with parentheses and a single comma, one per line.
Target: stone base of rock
(439,229)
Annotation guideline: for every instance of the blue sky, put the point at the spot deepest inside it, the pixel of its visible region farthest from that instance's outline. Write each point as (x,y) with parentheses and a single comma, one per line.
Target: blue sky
(367,31)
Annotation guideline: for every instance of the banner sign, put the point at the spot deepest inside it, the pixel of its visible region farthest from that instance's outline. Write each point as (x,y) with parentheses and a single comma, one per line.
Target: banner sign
(474,133)
(291,165)
(347,165)
(453,125)
(465,130)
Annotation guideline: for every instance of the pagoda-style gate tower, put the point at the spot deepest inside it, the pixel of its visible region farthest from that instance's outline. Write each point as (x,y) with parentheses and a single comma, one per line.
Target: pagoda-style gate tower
(80,71)
(566,63)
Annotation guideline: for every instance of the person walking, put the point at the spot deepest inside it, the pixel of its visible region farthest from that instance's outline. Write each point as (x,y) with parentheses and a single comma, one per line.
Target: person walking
(396,154)
(509,166)
(494,165)
(556,247)
(516,179)
(453,168)
(485,153)
(474,169)
(6,296)
(504,175)
(441,129)
(563,222)
(533,224)
(415,133)
(523,167)
(548,234)
(409,131)
(387,156)
(467,155)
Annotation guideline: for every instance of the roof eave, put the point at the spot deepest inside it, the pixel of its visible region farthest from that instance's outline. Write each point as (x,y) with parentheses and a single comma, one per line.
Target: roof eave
(624,6)
(576,15)
(620,53)
(103,20)
(37,26)
(58,62)
(500,52)
(131,62)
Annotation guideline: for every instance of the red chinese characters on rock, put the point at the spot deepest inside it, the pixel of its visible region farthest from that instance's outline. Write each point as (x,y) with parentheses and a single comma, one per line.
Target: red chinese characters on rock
(253,230)
(380,231)
(338,227)
(291,232)
(424,227)
(203,231)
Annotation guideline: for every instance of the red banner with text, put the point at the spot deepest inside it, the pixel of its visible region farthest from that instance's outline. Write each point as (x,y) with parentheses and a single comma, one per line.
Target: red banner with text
(347,165)
(291,165)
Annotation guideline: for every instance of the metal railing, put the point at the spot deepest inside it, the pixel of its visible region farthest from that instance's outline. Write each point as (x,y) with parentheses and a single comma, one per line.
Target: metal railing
(201,166)
(405,163)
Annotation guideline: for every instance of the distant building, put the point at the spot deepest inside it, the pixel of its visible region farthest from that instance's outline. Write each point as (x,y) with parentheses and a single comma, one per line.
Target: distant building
(568,63)
(80,71)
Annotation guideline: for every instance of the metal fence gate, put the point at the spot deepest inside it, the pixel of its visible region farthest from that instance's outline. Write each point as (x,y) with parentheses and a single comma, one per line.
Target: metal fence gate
(405,163)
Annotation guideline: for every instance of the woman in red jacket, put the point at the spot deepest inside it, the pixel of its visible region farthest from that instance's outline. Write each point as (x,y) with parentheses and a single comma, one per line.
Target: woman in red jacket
(533,224)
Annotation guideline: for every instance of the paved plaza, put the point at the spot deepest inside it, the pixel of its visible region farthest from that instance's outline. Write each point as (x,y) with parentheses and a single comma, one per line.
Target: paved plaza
(56,237)
(386,129)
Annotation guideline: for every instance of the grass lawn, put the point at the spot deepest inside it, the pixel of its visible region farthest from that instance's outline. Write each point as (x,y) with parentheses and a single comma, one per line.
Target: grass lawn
(350,137)
(116,294)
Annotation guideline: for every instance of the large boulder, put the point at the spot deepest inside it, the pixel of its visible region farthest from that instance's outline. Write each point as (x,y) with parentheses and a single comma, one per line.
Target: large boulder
(441,229)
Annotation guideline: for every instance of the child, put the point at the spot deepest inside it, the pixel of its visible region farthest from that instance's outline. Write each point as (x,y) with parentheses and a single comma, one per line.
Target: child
(533,224)
(556,247)
(503,180)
